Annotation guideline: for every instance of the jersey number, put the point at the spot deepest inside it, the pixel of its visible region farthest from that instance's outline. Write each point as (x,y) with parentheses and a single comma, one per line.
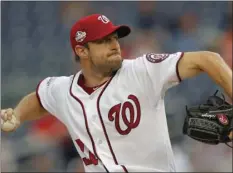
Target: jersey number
(92,160)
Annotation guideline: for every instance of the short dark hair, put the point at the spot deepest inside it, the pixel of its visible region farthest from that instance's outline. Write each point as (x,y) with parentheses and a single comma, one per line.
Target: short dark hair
(77,58)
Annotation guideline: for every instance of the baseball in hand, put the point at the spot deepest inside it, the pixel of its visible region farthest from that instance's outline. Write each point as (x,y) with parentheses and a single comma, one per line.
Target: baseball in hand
(8,125)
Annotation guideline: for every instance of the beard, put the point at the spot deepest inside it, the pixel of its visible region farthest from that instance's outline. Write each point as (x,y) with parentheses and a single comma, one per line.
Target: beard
(107,68)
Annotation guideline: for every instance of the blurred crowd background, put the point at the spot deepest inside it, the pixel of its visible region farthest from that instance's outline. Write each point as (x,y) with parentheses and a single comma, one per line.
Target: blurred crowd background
(35,44)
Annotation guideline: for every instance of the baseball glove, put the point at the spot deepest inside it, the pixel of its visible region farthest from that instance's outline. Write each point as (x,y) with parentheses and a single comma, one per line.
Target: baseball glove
(211,122)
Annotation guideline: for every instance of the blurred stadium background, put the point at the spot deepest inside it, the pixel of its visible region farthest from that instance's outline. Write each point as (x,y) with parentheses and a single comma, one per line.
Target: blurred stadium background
(35,44)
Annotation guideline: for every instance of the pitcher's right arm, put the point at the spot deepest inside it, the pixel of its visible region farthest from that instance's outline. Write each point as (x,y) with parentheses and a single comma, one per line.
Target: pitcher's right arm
(29,108)
(46,100)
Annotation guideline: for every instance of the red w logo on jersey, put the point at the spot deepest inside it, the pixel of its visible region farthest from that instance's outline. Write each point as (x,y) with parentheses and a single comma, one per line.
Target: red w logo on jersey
(133,119)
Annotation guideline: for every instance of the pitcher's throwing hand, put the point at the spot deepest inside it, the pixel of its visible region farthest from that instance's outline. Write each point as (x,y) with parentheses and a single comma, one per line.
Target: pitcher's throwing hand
(9,121)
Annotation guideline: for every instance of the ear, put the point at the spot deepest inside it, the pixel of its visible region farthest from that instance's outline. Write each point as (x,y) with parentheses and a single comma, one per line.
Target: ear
(81,51)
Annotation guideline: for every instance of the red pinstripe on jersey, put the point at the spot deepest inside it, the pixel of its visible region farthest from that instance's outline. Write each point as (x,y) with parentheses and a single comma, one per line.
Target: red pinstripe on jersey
(104,129)
(86,123)
(102,123)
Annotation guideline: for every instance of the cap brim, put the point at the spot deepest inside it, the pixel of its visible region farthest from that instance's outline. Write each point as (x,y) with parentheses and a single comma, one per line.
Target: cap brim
(122,31)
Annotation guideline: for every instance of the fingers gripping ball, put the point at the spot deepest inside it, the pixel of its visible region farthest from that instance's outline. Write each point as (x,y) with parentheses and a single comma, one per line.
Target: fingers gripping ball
(9,125)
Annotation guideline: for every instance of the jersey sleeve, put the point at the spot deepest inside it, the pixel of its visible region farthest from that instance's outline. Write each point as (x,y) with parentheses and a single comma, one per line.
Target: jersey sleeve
(160,69)
(50,93)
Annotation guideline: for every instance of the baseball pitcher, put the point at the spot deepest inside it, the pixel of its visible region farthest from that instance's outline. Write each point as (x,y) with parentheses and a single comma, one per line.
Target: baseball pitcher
(114,108)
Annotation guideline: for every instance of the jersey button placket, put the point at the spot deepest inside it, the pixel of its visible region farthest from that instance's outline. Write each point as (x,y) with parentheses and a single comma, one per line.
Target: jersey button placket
(99,141)
(92,96)
(94,117)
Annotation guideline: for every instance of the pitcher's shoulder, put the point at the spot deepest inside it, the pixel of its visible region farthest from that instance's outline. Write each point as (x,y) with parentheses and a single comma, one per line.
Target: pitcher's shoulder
(129,64)
(62,80)
(56,82)
(128,69)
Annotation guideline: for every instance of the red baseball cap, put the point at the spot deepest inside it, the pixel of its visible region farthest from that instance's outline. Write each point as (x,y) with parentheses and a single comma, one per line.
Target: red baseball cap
(94,27)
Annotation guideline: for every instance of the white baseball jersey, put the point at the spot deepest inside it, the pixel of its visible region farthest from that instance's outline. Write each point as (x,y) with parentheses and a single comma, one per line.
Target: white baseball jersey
(121,126)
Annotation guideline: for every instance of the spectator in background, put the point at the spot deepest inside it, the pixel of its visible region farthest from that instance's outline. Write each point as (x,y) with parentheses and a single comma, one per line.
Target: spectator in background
(71,11)
(223,42)
(50,128)
(225,45)
(153,26)
(8,156)
(186,38)
(146,18)
(145,34)
(145,42)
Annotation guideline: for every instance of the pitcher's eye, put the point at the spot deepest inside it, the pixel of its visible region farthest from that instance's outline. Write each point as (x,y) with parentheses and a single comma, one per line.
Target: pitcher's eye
(116,37)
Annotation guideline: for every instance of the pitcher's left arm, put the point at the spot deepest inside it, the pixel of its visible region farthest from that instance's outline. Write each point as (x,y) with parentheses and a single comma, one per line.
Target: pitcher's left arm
(193,63)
